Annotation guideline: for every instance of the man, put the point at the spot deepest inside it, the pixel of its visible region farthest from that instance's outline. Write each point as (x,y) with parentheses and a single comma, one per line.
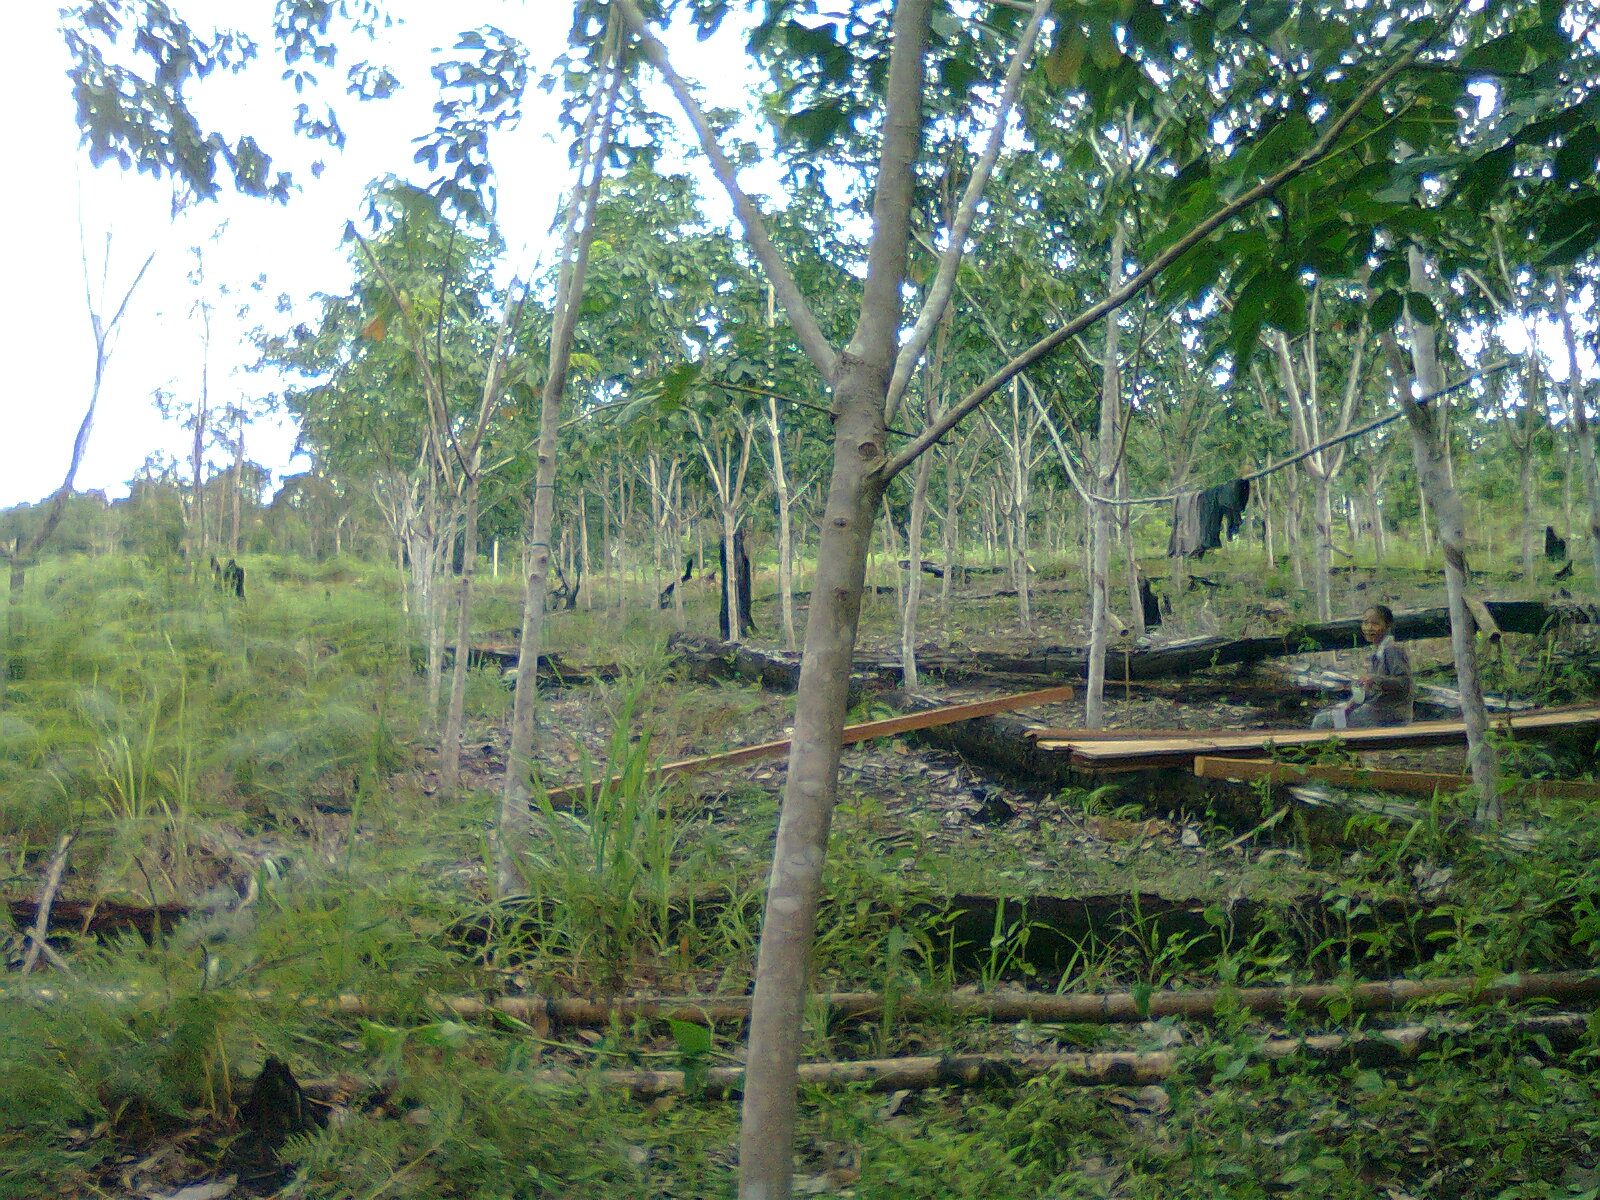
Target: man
(1384,693)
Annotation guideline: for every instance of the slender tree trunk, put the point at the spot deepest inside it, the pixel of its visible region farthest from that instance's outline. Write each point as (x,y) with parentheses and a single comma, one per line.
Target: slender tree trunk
(780,495)
(585,559)
(677,550)
(1105,485)
(455,716)
(861,388)
(913,597)
(730,573)
(515,819)
(1431,456)
(1130,553)
(1322,495)
(1266,523)
(1295,526)
(1375,508)
(237,490)
(1584,428)
(948,531)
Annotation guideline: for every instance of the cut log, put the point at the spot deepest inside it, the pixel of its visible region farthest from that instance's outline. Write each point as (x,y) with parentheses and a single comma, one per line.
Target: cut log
(1419,783)
(1107,1008)
(1139,752)
(891,727)
(1119,1068)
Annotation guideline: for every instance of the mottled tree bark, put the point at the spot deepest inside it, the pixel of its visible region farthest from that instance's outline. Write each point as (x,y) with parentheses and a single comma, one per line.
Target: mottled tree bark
(515,818)
(1432,456)
(1105,485)
(1583,428)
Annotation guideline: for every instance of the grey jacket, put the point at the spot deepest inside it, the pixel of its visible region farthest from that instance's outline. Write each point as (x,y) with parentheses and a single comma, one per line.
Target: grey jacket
(1388,701)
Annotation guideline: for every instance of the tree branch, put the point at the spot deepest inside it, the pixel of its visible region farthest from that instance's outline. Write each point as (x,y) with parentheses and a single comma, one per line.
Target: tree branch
(950,261)
(807,330)
(1137,283)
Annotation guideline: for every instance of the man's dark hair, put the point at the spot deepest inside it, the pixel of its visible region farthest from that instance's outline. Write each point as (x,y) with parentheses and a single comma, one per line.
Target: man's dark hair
(1385,613)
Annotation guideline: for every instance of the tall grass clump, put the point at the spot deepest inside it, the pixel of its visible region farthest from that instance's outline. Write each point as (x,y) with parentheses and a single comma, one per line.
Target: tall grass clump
(606,874)
(145,705)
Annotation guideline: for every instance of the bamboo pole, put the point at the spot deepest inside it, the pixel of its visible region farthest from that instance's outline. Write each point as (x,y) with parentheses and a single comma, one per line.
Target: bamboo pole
(1120,1068)
(1087,1008)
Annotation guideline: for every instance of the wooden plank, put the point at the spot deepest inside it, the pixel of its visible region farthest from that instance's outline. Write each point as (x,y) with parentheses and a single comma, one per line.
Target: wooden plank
(1421,783)
(852,734)
(1136,752)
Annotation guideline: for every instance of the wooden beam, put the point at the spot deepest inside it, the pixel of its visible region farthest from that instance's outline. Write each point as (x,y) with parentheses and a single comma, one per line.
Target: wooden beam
(1136,751)
(1420,783)
(852,734)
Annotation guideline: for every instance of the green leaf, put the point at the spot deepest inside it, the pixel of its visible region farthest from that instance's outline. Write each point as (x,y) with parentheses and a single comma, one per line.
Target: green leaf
(1421,308)
(691,1037)
(1384,311)
(1065,63)
(1577,158)
(1570,232)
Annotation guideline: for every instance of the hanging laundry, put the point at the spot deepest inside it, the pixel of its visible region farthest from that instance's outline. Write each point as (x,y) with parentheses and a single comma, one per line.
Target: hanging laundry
(1185,539)
(1199,519)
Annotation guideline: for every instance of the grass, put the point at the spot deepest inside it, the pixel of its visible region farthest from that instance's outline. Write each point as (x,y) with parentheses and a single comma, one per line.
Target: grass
(210,752)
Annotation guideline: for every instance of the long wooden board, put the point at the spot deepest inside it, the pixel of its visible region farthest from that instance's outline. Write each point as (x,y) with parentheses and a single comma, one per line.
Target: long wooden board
(1137,752)
(1420,783)
(852,734)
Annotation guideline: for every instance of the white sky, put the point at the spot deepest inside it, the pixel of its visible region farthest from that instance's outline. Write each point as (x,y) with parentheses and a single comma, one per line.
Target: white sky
(43,317)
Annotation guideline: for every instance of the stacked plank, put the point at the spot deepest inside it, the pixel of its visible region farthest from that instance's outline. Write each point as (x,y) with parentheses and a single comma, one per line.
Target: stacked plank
(1134,750)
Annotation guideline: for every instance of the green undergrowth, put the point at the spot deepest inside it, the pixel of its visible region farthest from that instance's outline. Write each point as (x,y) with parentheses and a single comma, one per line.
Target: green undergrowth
(143,705)
(191,740)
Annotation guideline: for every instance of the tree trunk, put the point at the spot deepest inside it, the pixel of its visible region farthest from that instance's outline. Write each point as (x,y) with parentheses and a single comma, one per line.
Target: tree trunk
(949,528)
(913,597)
(515,818)
(1322,518)
(1267,547)
(1584,428)
(1105,485)
(585,559)
(1431,459)
(780,494)
(1130,553)
(861,388)
(455,716)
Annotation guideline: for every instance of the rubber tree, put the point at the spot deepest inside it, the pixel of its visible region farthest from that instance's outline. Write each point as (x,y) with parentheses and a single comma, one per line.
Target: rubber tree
(515,822)
(1431,453)
(1579,391)
(1303,385)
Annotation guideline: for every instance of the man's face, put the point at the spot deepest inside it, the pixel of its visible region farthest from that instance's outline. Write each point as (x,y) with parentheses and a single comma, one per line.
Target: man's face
(1373,628)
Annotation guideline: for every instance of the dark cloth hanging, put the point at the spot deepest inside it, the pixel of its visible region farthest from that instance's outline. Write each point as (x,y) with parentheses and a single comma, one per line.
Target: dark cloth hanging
(738,581)
(1199,519)
(1149,604)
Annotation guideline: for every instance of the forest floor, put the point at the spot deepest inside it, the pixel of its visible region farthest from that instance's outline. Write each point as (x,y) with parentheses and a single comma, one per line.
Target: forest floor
(307,842)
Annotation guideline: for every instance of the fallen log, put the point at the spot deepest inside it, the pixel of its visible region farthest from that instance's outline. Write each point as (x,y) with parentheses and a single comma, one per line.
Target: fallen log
(99,918)
(1420,783)
(782,672)
(944,715)
(1120,1068)
(554,671)
(1097,1008)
